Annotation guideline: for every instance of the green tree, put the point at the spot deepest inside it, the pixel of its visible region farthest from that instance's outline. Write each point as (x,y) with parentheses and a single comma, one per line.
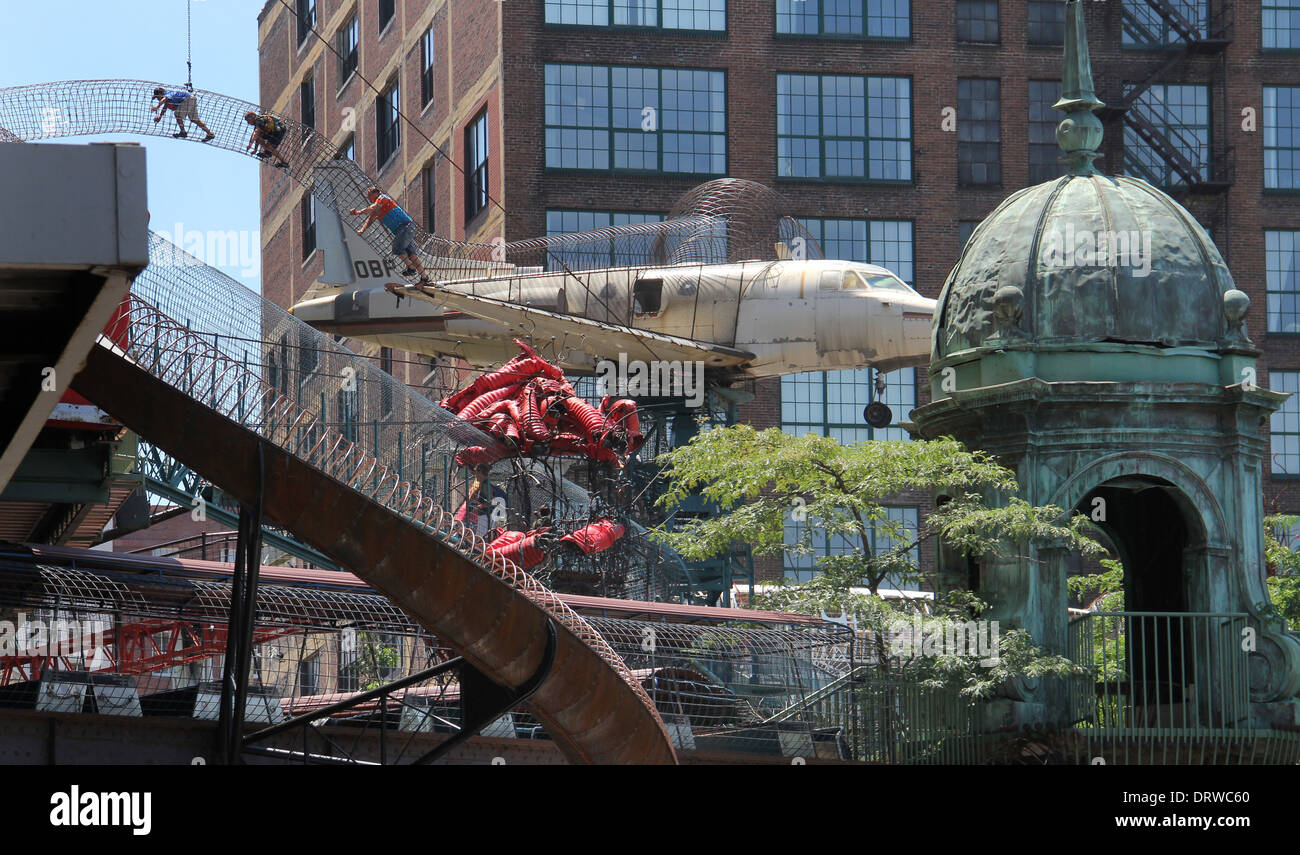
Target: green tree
(1284,561)
(377,655)
(760,480)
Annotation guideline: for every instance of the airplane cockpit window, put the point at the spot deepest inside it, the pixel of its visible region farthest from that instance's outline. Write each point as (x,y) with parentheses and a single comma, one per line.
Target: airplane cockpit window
(831,280)
(857,280)
(647,296)
(887,282)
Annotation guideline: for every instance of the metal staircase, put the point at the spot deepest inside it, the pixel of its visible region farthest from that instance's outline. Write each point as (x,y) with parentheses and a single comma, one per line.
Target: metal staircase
(1181,29)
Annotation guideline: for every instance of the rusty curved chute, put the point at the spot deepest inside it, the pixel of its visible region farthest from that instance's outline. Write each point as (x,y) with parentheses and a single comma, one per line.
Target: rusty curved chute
(343,503)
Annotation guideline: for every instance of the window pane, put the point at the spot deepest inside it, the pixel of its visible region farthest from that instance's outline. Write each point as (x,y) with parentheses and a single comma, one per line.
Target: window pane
(1182,114)
(1046,22)
(979,132)
(1282,137)
(842,126)
(625,251)
(880,19)
(1044,153)
(1281,24)
(1284,425)
(831,403)
(708,15)
(1145,25)
(977,21)
(635,119)
(1282,280)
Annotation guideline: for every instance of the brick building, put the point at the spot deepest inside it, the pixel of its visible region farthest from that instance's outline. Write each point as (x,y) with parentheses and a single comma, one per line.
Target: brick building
(891,127)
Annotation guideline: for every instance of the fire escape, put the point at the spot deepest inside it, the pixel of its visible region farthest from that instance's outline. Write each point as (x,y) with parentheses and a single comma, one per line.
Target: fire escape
(1191,161)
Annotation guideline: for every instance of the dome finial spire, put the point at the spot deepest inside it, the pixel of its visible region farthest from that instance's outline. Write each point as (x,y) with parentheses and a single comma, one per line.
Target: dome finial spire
(1079,133)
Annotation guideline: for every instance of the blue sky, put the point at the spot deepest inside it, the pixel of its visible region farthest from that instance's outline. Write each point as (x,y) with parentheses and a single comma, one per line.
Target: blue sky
(198,187)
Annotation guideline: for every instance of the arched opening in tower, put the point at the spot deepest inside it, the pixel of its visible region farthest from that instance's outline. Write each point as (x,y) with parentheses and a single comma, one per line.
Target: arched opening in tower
(1151,531)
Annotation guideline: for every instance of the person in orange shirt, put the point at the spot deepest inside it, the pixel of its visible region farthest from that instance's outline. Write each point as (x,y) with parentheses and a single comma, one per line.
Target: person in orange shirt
(383,208)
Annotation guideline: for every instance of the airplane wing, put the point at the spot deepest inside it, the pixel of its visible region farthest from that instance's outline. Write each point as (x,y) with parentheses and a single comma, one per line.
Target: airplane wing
(600,339)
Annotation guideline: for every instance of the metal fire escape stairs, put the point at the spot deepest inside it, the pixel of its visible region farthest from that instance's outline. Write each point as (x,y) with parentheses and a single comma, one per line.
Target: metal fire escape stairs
(1164,25)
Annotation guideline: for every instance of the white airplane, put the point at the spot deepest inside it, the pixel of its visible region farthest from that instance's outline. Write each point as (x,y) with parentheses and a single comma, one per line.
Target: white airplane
(746,319)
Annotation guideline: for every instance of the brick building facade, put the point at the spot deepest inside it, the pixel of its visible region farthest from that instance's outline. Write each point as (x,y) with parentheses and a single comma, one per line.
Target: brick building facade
(925,116)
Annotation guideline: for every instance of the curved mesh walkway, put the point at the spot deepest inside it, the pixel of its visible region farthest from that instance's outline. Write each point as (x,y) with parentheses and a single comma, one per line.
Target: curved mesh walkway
(728,228)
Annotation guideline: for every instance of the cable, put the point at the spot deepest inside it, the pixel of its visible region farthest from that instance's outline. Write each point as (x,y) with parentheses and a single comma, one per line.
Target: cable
(189,49)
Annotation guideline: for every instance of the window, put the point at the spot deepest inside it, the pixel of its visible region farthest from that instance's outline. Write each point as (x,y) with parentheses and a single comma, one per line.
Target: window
(426,68)
(703,15)
(1282,280)
(347,48)
(1284,425)
(309,676)
(346,401)
(875,19)
(306,10)
(430,197)
(979,132)
(1046,22)
(349,148)
(615,118)
(278,366)
(348,660)
(387,124)
(386,10)
(284,361)
(1182,114)
(1145,26)
(1044,152)
(307,97)
(1282,137)
(1281,24)
(385,384)
(308,354)
(803,568)
(830,403)
(887,243)
(965,228)
(839,127)
(625,251)
(977,21)
(308,225)
(476,165)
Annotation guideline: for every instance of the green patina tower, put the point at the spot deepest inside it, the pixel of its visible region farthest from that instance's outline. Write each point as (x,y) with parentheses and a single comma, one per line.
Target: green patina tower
(1091,337)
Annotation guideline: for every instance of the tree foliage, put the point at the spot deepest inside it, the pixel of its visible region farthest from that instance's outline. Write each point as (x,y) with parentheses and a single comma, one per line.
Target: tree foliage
(1284,562)
(762,479)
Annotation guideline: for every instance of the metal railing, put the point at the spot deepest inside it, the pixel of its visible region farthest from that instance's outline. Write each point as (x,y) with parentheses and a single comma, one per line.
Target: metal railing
(1164,673)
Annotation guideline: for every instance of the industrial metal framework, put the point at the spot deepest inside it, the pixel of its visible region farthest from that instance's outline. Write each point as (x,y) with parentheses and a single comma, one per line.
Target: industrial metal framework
(335,662)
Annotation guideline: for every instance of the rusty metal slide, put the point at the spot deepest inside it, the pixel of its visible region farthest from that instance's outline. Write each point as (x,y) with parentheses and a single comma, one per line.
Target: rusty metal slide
(592,707)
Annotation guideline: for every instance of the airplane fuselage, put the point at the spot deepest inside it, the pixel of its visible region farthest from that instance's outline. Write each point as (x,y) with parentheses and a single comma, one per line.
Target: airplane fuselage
(760,318)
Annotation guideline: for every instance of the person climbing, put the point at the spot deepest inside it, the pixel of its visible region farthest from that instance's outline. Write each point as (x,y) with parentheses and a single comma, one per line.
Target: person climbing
(184,104)
(268,133)
(476,511)
(383,208)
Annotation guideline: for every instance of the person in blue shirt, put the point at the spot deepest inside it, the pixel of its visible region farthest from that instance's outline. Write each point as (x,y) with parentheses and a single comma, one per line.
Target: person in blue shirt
(383,208)
(183,104)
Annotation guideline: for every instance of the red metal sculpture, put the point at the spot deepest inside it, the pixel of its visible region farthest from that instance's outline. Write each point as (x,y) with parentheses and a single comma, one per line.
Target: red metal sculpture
(529,406)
